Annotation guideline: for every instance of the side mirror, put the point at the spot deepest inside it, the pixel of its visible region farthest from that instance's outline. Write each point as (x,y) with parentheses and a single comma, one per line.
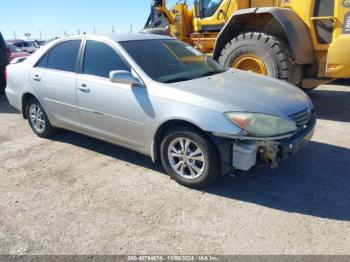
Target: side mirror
(123,77)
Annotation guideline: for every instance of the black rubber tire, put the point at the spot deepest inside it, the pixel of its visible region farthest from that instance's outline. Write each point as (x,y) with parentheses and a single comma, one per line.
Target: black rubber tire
(274,53)
(212,170)
(2,86)
(49,129)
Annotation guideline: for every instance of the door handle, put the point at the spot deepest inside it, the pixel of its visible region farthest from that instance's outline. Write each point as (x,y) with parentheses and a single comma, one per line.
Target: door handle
(37,78)
(83,88)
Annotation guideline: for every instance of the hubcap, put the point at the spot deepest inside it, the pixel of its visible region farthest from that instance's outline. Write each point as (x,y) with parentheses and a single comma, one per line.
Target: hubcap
(37,118)
(186,158)
(251,63)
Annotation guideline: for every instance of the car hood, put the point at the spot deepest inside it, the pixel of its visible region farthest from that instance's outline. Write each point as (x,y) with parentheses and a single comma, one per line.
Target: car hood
(236,90)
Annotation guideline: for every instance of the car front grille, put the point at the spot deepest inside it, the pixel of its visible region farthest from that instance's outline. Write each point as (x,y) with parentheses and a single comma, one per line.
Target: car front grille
(301,117)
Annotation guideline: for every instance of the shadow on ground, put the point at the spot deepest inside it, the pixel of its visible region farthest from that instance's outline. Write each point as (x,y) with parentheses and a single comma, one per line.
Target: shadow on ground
(5,107)
(332,105)
(107,149)
(343,82)
(315,182)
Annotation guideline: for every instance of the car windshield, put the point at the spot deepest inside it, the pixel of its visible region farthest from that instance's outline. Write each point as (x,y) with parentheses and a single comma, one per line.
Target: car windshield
(170,61)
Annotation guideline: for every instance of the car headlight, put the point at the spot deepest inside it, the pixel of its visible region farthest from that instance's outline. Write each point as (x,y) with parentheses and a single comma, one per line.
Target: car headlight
(256,124)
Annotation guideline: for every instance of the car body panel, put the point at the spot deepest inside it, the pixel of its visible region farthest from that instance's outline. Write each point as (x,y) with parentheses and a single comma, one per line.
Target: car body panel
(58,92)
(242,91)
(115,110)
(130,116)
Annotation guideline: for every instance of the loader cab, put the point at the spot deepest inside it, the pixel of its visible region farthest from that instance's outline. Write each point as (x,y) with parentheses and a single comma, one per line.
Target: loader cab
(206,8)
(209,15)
(329,27)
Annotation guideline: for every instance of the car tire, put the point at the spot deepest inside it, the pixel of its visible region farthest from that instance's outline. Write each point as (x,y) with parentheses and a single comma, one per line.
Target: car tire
(2,86)
(38,119)
(271,51)
(195,163)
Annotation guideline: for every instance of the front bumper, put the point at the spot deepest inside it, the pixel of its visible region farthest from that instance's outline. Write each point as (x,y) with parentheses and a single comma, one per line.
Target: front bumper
(290,146)
(249,153)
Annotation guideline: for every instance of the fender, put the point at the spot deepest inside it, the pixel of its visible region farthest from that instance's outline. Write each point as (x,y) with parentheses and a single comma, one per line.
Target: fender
(294,28)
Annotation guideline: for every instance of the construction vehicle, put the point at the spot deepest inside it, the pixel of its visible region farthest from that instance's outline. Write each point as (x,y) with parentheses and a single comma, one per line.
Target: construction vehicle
(305,42)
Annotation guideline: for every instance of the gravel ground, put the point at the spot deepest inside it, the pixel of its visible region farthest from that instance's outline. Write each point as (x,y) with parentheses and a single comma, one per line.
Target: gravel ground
(76,195)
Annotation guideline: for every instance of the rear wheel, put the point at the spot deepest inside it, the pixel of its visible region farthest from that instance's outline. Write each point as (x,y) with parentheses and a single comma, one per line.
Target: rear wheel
(37,119)
(190,158)
(2,84)
(258,53)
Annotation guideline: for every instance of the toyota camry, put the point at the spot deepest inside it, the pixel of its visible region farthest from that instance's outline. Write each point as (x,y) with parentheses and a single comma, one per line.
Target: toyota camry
(163,98)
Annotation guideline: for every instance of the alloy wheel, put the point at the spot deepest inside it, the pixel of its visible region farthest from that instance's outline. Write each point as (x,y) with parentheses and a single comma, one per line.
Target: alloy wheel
(37,118)
(186,158)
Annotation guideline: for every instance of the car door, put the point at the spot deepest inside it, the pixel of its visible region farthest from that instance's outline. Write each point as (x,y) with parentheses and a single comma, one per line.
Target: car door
(54,78)
(114,111)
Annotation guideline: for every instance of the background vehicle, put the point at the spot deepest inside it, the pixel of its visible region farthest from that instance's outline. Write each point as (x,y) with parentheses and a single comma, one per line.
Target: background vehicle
(163,98)
(18,60)
(26,46)
(4,60)
(16,52)
(303,42)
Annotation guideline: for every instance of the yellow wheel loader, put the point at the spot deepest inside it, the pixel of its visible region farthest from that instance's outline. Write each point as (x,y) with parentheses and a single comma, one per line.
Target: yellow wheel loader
(305,42)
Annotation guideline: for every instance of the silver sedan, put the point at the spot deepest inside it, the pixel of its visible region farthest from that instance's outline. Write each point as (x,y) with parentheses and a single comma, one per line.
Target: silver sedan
(163,98)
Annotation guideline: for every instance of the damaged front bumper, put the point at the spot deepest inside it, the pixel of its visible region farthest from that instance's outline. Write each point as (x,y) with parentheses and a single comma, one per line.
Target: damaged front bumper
(243,153)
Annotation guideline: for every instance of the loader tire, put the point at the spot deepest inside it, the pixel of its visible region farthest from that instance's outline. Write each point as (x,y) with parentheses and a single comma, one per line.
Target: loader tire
(259,53)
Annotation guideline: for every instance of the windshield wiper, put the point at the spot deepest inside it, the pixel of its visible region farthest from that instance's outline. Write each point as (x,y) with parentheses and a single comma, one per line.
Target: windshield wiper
(210,73)
(178,79)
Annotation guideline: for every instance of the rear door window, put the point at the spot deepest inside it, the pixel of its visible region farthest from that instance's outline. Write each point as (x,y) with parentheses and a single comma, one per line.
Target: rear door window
(64,56)
(100,59)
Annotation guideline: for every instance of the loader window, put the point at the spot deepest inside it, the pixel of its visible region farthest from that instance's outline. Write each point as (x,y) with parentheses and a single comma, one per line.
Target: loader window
(324,28)
(210,7)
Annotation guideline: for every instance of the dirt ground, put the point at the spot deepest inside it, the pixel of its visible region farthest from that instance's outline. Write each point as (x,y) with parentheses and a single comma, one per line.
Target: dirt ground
(76,195)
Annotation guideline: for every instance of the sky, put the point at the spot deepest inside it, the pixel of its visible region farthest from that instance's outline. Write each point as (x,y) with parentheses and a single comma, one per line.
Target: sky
(53,17)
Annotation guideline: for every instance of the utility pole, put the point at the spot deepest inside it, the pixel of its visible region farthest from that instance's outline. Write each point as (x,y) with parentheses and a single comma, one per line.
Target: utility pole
(131,29)
(14,34)
(41,36)
(78,31)
(113,31)
(94,30)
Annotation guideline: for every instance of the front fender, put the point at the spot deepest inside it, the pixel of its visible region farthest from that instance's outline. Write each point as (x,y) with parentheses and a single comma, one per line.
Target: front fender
(295,30)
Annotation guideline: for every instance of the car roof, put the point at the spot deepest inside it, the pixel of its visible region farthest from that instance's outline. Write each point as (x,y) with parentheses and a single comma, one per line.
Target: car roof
(136,37)
(125,37)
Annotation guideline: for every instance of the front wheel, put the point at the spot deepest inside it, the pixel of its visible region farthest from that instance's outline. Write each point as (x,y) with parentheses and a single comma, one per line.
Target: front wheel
(190,158)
